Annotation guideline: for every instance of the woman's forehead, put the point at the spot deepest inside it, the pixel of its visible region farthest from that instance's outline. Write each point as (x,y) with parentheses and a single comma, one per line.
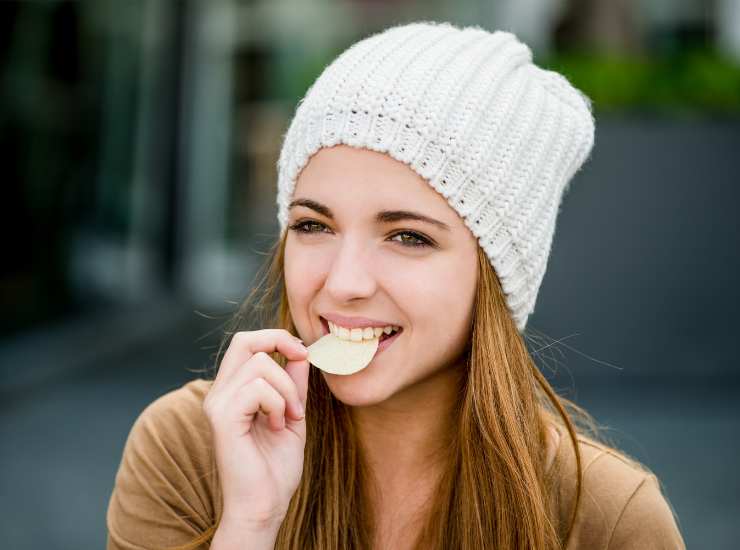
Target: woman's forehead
(345,175)
(343,162)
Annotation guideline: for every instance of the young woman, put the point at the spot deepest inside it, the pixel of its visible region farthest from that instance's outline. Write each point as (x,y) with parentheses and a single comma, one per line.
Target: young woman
(419,184)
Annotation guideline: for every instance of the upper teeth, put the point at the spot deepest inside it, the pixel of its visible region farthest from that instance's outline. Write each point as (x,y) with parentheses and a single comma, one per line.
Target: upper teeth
(359,334)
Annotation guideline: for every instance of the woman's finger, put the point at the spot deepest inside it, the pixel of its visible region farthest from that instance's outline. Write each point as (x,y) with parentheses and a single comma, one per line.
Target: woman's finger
(262,365)
(246,343)
(258,395)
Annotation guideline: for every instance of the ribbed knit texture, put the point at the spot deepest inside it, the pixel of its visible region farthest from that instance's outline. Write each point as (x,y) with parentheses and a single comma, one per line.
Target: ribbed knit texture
(499,137)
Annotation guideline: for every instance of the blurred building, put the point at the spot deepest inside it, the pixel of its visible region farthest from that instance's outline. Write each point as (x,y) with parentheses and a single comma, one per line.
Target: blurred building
(140,138)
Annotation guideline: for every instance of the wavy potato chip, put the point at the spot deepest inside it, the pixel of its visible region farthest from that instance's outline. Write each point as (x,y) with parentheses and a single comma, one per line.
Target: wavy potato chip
(336,356)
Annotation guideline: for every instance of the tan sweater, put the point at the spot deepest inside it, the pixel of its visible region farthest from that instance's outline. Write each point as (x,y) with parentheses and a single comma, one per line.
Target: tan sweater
(166,490)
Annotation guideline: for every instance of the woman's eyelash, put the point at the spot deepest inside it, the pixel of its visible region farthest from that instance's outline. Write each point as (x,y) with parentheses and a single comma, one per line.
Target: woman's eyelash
(299,227)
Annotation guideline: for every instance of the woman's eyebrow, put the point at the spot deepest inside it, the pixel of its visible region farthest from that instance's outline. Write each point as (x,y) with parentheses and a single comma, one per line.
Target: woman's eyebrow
(384,216)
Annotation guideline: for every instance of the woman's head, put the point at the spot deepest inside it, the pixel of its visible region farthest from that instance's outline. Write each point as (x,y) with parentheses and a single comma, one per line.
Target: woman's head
(349,251)
(494,135)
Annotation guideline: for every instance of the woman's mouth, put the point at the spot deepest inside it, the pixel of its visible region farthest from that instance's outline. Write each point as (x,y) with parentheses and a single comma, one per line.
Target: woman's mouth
(383,337)
(385,340)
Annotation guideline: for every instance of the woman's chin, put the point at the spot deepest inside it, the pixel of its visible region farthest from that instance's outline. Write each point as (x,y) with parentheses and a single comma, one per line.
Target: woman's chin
(355,390)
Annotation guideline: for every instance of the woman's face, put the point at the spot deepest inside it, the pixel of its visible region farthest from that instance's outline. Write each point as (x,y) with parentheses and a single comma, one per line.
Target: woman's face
(352,261)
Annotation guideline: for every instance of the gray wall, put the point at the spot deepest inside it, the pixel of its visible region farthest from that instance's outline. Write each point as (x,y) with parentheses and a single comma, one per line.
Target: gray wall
(645,262)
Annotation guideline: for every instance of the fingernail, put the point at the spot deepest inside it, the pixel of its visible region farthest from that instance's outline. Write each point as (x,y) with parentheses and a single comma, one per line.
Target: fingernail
(299,410)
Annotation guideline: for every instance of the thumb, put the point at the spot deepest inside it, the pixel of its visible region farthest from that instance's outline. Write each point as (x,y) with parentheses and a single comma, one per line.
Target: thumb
(298,371)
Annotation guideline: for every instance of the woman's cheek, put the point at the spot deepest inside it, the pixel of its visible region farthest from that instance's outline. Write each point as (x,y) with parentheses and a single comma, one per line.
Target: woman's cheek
(303,262)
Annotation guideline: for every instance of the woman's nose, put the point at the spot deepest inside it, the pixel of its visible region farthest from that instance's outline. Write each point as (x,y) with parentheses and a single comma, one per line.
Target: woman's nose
(350,275)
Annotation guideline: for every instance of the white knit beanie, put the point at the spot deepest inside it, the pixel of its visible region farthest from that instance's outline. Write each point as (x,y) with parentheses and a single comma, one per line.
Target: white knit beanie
(497,136)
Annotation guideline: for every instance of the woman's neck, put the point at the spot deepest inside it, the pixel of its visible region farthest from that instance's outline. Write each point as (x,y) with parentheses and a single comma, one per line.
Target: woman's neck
(405,439)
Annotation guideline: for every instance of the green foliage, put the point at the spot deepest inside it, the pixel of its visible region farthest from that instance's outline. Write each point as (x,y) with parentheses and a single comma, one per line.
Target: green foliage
(698,81)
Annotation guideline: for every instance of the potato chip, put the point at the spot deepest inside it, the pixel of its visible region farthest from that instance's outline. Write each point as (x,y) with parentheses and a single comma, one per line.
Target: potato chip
(337,356)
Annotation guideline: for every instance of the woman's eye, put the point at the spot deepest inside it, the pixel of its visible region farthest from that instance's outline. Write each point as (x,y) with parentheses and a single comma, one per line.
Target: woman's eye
(299,227)
(417,241)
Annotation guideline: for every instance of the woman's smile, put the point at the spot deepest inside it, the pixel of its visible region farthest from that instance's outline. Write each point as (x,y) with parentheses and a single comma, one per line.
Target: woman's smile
(386,339)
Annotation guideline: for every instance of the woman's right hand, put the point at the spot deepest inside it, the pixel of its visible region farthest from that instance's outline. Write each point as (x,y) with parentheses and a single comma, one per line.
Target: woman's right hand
(259,456)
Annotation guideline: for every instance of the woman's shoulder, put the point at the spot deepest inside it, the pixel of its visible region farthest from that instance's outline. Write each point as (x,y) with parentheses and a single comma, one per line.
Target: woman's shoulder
(622,505)
(176,419)
(187,400)
(173,428)
(166,486)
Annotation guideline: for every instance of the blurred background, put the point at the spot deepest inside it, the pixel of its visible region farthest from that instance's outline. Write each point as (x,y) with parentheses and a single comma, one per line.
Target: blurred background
(139,143)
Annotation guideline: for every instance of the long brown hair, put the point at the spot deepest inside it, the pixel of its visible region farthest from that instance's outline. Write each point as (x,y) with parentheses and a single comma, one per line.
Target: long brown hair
(495,491)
